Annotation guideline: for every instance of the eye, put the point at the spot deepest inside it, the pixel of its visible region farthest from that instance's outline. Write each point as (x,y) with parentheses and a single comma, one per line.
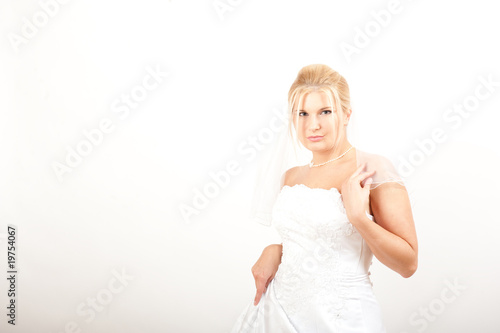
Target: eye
(305,113)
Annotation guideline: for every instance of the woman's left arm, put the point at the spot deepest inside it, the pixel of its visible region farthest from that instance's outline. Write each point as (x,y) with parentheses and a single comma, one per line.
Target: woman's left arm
(393,238)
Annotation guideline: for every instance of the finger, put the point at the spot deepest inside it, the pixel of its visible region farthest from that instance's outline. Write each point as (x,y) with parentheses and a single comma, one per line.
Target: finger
(358,170)
(357,178)
(261,287)
(368,182)
(368,173)
(269,281)
(260,282)
(258,295)
(365,175)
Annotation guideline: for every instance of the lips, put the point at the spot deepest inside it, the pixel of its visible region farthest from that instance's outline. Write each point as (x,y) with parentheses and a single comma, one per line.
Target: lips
(315,138)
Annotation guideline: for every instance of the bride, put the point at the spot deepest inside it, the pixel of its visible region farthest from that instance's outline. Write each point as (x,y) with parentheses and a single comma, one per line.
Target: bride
(333,214)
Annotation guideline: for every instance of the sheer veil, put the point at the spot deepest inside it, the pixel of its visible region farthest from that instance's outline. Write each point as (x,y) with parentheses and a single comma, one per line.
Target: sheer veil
(287,151)
(284,154)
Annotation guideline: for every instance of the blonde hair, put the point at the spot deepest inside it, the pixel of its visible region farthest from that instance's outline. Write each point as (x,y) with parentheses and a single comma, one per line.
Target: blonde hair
(321,78)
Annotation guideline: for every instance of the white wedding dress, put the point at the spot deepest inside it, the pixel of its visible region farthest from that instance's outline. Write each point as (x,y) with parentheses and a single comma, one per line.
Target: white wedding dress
(322,284)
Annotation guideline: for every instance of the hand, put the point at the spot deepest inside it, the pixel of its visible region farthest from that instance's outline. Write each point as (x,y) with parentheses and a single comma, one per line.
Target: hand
(265,268)
(354,196)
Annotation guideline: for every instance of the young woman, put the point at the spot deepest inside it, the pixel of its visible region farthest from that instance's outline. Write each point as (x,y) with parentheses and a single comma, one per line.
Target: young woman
(333,215)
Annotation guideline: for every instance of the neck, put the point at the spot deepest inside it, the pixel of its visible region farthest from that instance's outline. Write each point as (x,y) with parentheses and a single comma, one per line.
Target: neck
(325,156)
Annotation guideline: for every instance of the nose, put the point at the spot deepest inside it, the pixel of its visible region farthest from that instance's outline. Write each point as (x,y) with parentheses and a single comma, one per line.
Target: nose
(315,123)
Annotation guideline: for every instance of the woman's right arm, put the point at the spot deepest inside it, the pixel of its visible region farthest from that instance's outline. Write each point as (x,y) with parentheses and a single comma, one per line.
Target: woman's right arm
(265,268)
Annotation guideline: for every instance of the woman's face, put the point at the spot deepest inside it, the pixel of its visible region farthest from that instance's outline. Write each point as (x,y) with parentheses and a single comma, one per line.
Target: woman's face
(315,118)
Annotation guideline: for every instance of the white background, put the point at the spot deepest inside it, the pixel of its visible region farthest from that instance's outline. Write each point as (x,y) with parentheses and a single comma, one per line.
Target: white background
(119,209)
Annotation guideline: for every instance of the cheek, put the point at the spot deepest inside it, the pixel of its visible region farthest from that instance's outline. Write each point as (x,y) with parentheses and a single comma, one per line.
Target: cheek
(330,126)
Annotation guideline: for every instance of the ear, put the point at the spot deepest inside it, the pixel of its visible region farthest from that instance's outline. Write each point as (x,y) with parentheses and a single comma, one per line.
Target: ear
(347,116)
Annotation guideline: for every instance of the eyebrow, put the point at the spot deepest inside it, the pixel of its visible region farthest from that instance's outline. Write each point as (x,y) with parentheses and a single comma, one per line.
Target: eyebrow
(323,108)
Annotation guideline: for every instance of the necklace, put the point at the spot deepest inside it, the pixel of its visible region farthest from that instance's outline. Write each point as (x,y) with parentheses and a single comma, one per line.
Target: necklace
(336,158)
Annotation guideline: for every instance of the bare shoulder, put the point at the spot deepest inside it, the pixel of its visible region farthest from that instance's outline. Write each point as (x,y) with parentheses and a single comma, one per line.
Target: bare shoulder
(290,175)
